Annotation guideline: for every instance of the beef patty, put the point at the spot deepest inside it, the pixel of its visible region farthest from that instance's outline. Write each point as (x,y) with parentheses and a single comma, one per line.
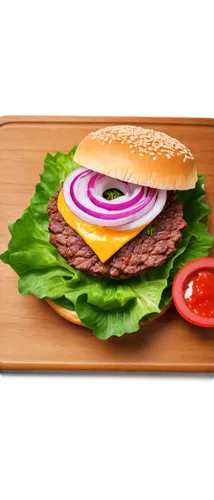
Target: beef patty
(139,254)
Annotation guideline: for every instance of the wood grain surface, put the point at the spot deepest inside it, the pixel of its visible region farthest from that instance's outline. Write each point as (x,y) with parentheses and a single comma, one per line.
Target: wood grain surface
(32,335)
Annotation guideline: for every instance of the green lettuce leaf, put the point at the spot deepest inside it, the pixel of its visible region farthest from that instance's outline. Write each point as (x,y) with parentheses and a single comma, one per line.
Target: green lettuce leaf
(113,309)
(63,302)
(103,293)
(199,244)
(119,320)
(106,306)
(52,284)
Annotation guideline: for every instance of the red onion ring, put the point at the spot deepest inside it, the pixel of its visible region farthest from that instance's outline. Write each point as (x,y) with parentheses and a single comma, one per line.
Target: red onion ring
(110,217)
(150,215)
(111,206)
(139,203)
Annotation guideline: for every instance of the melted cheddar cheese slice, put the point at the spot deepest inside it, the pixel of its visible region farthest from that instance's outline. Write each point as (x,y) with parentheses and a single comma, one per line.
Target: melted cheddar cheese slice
(103,241)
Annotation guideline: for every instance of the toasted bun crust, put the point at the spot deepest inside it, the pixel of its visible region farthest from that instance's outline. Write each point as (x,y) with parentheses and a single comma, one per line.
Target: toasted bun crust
(142,156)
(74,318)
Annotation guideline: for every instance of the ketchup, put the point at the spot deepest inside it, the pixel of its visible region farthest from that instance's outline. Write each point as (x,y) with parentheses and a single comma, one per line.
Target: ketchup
(199,292)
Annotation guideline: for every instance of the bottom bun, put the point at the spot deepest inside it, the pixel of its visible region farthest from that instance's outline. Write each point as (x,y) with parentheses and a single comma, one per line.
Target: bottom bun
(73,317)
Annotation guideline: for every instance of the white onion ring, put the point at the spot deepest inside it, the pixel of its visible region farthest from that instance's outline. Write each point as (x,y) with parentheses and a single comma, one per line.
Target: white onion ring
(76,195)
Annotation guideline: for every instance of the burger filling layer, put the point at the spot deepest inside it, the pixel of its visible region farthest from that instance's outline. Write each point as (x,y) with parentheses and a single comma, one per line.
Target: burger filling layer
(149,248)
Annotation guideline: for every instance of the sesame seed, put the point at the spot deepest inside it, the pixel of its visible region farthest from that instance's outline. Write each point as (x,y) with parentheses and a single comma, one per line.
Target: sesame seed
(142,141)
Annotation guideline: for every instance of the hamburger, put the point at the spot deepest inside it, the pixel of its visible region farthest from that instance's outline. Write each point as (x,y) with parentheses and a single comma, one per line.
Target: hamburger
(109,226)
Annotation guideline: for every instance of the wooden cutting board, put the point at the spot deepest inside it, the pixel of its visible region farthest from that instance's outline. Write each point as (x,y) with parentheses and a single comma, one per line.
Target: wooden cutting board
(33,336)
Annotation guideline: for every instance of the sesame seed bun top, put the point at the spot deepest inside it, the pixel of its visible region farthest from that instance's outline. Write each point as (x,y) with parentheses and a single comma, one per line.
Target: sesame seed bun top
(142,156)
